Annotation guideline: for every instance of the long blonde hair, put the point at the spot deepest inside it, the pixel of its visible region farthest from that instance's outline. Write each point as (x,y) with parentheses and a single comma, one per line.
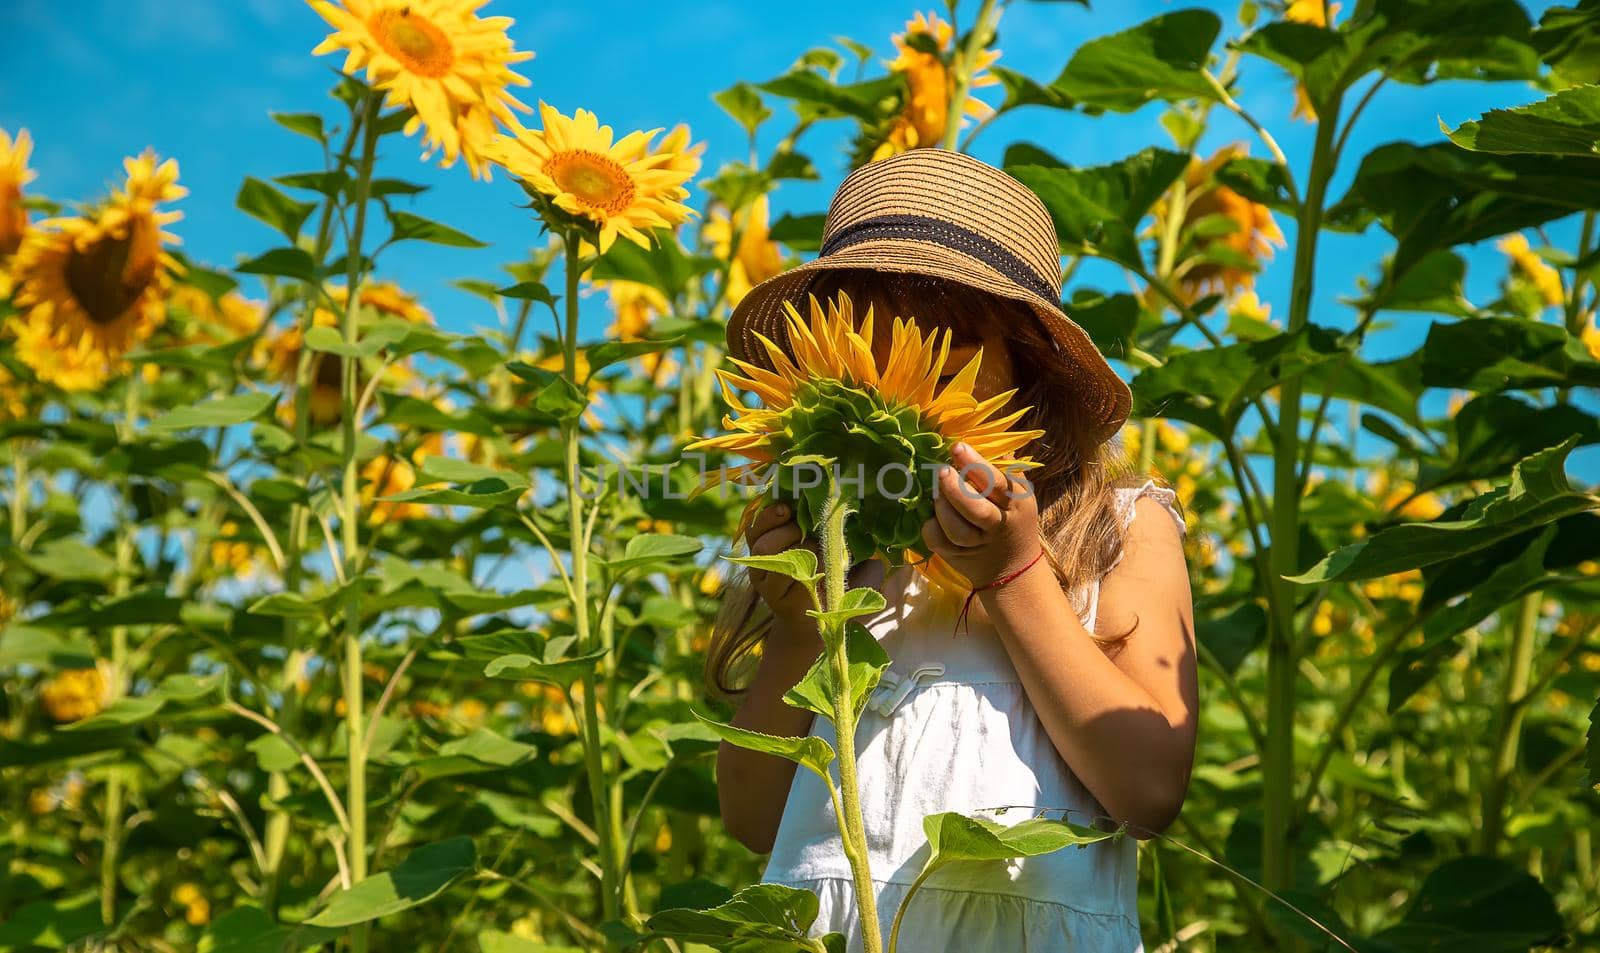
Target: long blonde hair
(1075,484)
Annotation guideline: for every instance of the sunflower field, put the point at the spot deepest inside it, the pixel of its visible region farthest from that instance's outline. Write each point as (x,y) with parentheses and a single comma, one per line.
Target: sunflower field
(334,619)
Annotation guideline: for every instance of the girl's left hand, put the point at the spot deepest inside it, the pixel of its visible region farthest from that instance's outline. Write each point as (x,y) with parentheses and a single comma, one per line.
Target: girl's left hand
(986,523)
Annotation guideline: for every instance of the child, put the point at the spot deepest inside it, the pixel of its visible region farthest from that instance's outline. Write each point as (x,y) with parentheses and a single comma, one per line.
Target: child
(1071,689)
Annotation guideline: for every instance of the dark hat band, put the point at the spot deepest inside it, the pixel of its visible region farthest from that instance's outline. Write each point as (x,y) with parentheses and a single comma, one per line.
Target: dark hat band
(945,234)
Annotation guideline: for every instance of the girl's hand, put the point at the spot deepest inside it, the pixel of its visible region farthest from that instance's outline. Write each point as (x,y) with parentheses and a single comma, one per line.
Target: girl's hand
(773,531)
(986,523)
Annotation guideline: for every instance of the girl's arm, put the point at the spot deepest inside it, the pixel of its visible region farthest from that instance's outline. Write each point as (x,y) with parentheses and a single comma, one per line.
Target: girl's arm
(1124,724)
(752,788)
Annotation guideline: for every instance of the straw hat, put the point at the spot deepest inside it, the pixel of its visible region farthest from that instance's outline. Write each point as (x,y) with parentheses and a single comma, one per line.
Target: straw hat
(942,213)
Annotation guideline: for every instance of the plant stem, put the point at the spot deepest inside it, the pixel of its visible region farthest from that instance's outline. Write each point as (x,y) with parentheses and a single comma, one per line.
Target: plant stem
(836,558)
(611,872)
(354,713)
(116,782)
(966,61)
(1508,719)
(1282,662)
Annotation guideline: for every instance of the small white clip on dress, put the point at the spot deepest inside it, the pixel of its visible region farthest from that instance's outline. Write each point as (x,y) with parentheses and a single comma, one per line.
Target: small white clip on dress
(950,728)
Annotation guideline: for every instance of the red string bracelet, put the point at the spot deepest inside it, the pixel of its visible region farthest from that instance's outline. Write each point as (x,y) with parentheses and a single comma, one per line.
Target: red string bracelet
(961,620)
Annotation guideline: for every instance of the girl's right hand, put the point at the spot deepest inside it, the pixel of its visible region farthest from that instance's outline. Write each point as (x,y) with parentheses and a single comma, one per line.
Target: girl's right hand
(774,530)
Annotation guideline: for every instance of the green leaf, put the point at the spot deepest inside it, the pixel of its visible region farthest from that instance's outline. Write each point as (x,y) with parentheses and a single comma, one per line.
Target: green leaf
(530,291)
(1097,209)
(182,689)
(71,559)
(870,101)
(1024,90)
(956,837)
(808,751)
(1439,196)
(770,918)
(494,941)
(601,356)
(482,750)
(744,104)
(1478,904)
(286,605)
(1537,494)
(553,668)
(1490,354)
(866,661)
(797,564)
(305,124)
(423,875)
(282,263)
(553,393)
(266,203)
(1567,123)
(1230,638)
(221,412)
(1568,38)
(856,602)
(1212,388)
(51,924)
(650,549)
(664,266)
(800,232)
(416,228)
(1162,58)
(249,929)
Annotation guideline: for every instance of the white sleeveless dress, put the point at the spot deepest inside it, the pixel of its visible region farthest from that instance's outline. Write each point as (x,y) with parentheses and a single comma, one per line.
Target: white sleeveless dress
(965,739)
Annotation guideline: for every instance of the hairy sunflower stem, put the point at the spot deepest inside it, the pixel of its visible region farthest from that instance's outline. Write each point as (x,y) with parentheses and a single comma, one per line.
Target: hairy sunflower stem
(611,867)
(355,714)
(111,839)
(966,63)
(836,565)
(1508,724)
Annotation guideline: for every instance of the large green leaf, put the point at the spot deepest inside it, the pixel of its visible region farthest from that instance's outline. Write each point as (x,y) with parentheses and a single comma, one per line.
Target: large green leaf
(1568,39)
(553,667)
(1476,904)
(51,924)
(1565,124)
(1439,196)
(1489,354)
(1097,209)
(761,918)
(1494,431)
(423,875)
(808,751)
(249,929)
(221,412)
(266,203)
(664,266)
(956,837)
(1537,494)
(798,564)
(816,96)
(179,689)
(1162,58)
(655,549)
(866,661)
(1212,388)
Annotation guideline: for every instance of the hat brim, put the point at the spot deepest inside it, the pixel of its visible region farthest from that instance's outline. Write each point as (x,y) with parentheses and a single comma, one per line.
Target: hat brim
(1105,396)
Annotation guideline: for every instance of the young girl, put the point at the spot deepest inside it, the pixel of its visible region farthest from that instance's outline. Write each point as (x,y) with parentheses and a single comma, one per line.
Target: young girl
(1070,692)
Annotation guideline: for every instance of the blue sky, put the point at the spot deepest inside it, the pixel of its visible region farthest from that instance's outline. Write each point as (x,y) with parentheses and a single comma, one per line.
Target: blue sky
(97,80)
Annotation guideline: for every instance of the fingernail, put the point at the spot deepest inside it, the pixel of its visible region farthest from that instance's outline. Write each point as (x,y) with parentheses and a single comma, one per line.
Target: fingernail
(962,448)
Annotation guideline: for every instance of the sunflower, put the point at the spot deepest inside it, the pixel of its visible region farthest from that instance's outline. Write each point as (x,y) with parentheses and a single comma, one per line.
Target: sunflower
(758,256)
(1314,13)
(624,188)
(14,174)
(77,693)
(930,85)
(438,58)
(886,426)
(387,475)
(1214,261)
(637,306)
(92,287)
(1591,338)
(1527,264)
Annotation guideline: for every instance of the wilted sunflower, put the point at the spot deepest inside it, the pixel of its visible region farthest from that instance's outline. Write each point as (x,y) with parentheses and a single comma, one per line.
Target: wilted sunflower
(91,288)
(14,174)
(887,426)
(624,188)
(1213,260)
(758,257)
(437,57)
(1314,13)
(930,85)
